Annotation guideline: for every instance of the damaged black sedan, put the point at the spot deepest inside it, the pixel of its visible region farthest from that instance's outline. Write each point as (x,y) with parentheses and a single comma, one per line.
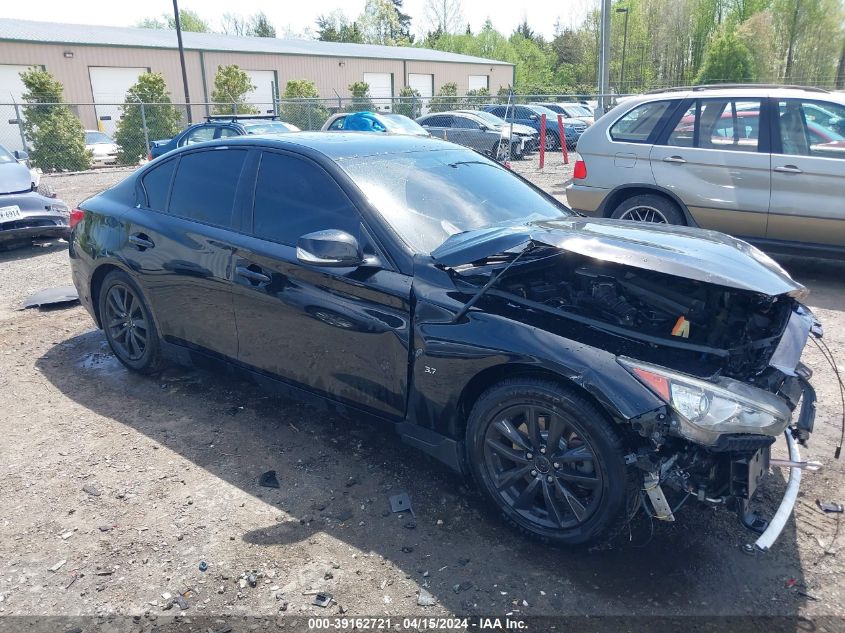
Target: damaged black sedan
(578,369)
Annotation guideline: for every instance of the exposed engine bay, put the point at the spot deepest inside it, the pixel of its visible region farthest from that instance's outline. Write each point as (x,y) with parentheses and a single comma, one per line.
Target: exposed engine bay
(656,306)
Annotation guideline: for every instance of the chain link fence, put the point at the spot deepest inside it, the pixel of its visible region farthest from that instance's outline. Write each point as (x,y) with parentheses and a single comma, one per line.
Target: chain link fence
(82,136)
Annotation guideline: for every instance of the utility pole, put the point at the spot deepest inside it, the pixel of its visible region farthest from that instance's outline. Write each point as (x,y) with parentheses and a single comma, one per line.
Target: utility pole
(624,49)
(182,59)
(604,58)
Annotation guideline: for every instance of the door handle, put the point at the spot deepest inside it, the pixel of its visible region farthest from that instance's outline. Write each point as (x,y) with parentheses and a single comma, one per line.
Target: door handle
(789,169)
(141,241)
(674,159)
(252,275)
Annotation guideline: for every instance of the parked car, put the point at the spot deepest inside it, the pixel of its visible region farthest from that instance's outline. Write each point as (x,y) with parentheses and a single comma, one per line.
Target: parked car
(470,130)
(762,163)
(532,136)
(571,111)
(222,126)
(384,122)
(573,366)
(102,147)
(26,214)
(530,115)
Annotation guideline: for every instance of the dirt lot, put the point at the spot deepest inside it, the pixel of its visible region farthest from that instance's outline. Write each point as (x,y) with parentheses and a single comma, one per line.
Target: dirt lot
(114,487)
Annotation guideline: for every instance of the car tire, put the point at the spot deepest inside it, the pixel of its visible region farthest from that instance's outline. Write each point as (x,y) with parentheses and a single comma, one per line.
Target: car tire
(128,324)
(649,207)
(499,152)
(565,502)
(517,152)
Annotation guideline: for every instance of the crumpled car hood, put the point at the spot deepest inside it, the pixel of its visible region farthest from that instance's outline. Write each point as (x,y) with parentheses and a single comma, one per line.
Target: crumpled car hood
(691,253)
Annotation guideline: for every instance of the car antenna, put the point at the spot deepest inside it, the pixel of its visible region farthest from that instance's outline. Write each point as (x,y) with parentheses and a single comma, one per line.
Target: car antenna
(828,356)
(530,245)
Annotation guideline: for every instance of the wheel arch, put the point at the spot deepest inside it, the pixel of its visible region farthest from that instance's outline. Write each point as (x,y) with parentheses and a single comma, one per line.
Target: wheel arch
(622,192)
(491,376)
(97,278)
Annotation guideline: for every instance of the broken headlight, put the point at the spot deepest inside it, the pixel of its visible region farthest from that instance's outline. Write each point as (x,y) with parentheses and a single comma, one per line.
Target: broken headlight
(704,409)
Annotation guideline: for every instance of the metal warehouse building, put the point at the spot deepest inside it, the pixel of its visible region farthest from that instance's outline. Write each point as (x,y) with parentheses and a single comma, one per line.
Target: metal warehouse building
(97,64)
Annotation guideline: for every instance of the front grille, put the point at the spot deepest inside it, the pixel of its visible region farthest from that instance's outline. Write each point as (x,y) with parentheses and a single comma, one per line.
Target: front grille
(741,443)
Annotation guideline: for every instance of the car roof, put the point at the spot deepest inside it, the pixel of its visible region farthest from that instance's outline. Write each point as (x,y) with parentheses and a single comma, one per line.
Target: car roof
(750,90)
(341,144)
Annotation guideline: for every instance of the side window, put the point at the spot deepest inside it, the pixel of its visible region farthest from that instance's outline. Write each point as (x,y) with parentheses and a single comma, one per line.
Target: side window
(810,128)
(198,135)
(499,112)
(637,125)
(725,124)
(294,196)
(205,183)
(156,183)
(337,124)
(226,132)
(524,113)
(465,123)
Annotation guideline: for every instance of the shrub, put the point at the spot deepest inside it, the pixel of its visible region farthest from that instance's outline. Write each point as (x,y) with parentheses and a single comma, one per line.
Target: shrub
(306,112)
(361,101)
(163,119)
(410,103)
(56,134)
(231,85)
(446,98)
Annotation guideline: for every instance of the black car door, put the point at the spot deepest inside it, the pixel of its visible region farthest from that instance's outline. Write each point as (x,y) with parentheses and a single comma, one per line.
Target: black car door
(340,332)
(179,246)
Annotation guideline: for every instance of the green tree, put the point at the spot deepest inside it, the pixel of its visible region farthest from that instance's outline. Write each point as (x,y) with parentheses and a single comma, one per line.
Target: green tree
(162,117)
(361,101)
(335,27)
(302,106)
(231,86)
(477,97)
(189,21)
(410,103)
(382,23)
(56,134)
(259,26)
(446,98)
(728,60)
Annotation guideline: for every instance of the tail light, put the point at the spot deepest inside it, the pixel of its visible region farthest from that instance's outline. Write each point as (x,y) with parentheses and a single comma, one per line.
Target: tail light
(149,156)
(75,217)
(580,170)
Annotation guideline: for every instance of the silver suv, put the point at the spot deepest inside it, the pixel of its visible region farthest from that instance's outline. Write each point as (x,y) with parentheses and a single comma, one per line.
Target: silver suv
(764,163)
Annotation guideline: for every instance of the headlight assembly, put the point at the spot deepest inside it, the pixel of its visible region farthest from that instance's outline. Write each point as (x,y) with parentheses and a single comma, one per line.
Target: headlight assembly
(705,410)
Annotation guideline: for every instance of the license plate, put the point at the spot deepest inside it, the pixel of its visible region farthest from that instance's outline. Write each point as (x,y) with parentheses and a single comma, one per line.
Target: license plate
(12,212)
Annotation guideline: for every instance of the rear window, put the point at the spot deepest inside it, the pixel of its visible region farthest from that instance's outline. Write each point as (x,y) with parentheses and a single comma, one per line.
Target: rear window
(638,124)
(205,183)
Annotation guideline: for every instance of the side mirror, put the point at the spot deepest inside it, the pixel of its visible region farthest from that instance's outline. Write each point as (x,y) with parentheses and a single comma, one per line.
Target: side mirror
(21,155)
(331,248)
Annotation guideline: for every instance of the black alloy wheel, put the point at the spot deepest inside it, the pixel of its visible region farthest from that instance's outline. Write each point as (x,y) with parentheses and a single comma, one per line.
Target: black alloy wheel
(549,460)
(128,324)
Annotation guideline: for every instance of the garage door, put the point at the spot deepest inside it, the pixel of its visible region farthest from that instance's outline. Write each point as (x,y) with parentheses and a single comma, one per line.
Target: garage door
(424,84)
(11,91)
(109,86)
(262,96)
(381,89)
(477,82)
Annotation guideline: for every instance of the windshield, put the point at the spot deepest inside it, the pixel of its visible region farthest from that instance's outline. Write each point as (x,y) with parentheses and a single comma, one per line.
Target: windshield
(400,124)
(92,138)
(267,128)
(428,196)
(550,114)
(581,110)
(6,156)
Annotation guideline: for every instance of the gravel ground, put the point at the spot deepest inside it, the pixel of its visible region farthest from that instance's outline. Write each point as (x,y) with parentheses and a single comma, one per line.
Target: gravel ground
(114,486)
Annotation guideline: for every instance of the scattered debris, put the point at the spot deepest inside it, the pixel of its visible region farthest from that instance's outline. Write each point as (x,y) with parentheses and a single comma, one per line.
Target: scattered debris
(401,503)
(829,506)
(67,535)
(425,599)
(790,583)
(352,481)
(51,296)
(467,584)
(268,480)
(92,490)
(411,525)
(203,565)
(76,576)
(407,549)
(806,595)
(58,565)
(180,600)
(252,579)
(105,528)
(322,599)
